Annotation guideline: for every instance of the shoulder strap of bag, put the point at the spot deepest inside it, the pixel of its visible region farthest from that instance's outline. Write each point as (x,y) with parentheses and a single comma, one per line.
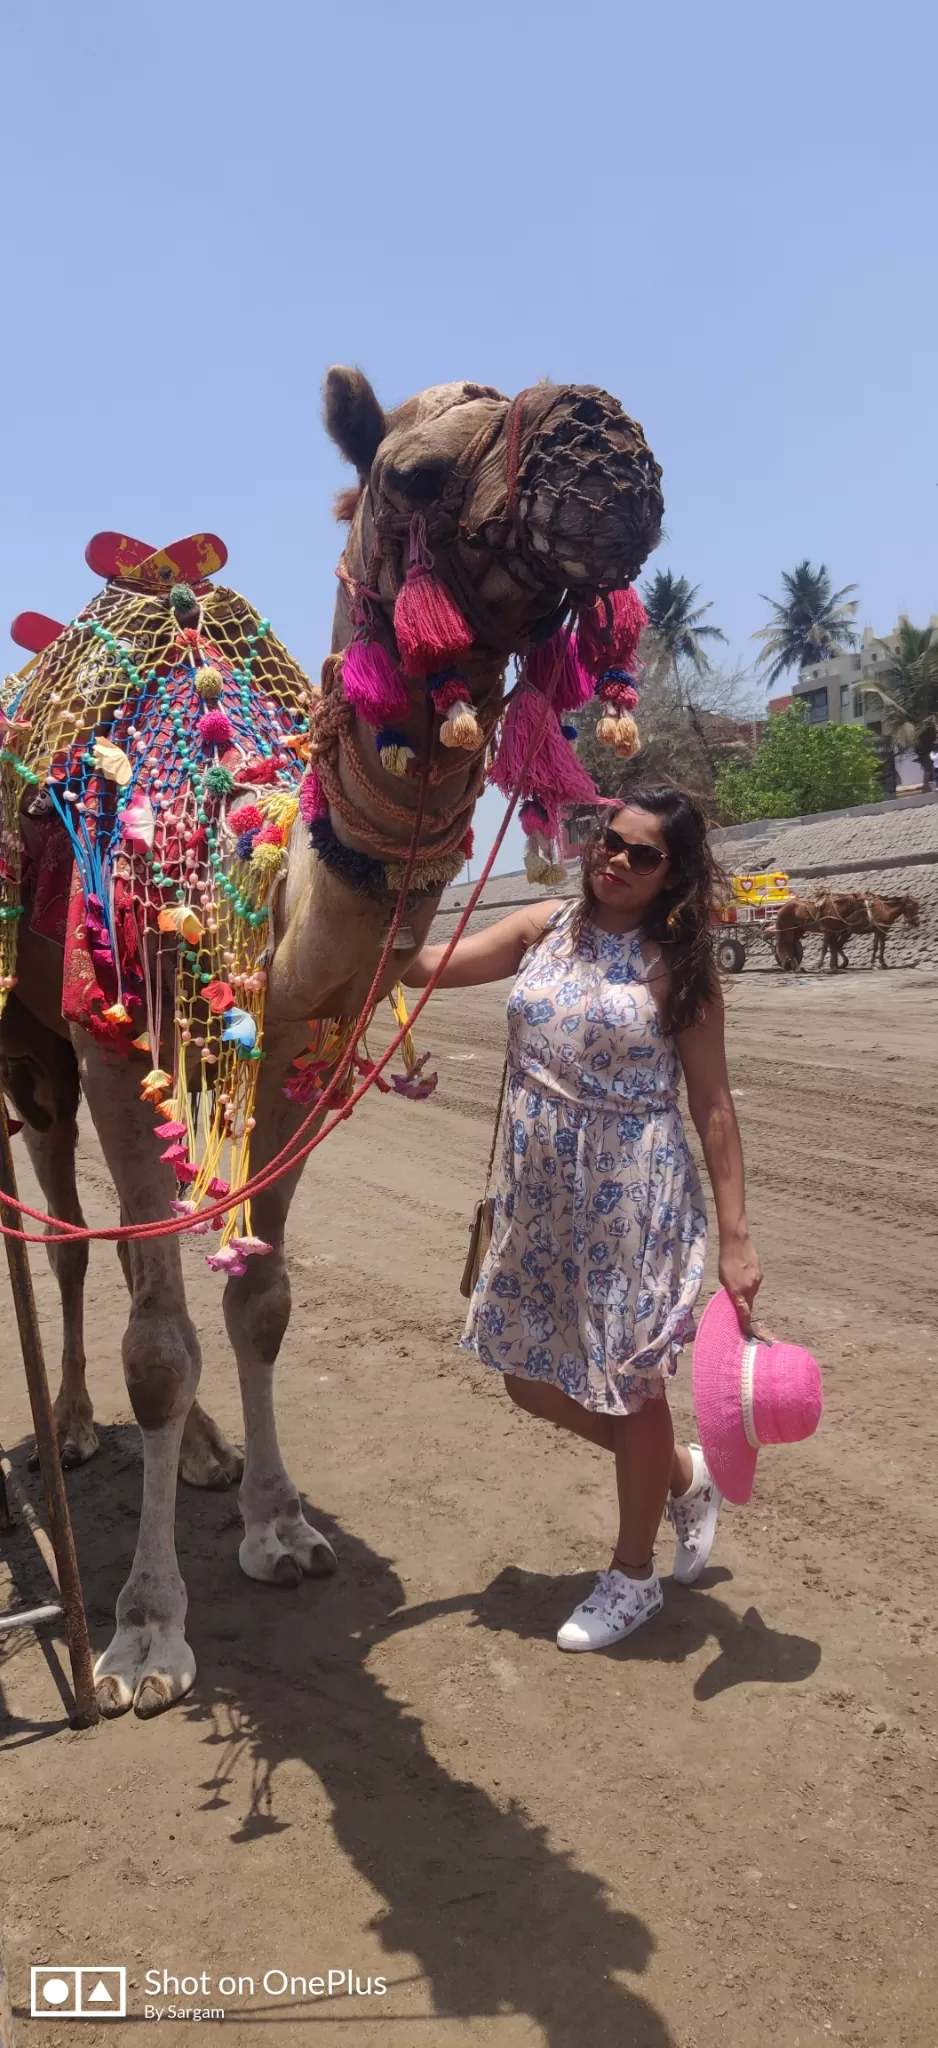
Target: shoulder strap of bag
(496,1128)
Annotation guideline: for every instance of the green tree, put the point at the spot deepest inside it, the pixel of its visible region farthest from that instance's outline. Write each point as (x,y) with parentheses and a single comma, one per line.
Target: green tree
(811,623)
(798,768)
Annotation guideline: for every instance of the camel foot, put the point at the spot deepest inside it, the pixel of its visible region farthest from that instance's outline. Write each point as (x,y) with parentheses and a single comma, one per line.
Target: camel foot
(206,1458)
(279,1552)
(78,1441)
(147,1668)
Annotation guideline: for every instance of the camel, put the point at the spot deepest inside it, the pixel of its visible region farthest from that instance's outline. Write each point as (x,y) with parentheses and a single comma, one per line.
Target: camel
(841,917)
(533,508)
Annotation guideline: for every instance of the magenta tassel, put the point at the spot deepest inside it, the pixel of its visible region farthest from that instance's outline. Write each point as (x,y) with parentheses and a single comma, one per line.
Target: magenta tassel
(372,683)
(313,802)
(430,629)
(554,775)
(574,684)
(609,630)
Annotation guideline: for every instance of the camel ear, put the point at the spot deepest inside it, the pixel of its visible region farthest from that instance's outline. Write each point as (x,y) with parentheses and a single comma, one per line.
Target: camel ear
(353,418)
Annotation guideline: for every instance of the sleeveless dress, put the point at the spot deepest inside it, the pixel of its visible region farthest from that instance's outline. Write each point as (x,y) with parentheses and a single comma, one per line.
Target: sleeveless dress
(600,1230)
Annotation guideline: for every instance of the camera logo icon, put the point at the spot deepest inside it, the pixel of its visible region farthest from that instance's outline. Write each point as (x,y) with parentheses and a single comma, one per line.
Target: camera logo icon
(73,1993)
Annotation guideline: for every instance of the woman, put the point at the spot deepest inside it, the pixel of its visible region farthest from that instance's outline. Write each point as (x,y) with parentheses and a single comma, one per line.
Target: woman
(588,1290)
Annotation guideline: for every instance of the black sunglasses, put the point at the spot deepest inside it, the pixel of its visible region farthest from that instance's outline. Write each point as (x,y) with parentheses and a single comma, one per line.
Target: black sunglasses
(643,859)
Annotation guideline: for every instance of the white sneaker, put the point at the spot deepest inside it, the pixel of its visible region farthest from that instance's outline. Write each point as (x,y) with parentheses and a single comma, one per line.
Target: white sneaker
(616,1607)
(693,1517)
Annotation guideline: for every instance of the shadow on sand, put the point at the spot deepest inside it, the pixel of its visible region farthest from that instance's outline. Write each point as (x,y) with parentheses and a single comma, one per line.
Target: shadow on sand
(500,1921)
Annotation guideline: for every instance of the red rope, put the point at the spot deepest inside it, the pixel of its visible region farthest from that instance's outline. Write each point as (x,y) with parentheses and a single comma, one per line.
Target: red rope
(292,1154)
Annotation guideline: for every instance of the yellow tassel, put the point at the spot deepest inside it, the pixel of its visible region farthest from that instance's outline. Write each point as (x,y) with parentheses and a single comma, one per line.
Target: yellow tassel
(536,867)
(141,1044)
(209,682)
(460,727)
(626,740)
(606,728)
(117,1014)
(281,807)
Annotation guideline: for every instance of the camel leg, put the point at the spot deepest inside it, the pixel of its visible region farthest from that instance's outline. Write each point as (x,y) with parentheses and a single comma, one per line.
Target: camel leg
(148,1663)
(206,1458)
(52,1153)
(279,1545)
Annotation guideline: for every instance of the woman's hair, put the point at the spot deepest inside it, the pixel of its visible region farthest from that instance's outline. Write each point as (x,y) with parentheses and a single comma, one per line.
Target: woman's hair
(679,916)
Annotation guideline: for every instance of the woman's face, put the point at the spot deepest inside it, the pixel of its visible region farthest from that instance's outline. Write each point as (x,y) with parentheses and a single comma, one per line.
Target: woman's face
(618,884)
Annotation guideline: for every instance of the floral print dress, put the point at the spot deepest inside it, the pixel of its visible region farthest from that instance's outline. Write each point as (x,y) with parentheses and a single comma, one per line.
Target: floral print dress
(600,1230)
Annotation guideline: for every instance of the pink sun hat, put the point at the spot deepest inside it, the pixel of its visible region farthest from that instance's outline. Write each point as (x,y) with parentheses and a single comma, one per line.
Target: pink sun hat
(748,1393)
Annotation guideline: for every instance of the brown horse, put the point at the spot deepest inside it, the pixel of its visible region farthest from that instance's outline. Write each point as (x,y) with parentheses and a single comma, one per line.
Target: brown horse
(795,918)
(839,918)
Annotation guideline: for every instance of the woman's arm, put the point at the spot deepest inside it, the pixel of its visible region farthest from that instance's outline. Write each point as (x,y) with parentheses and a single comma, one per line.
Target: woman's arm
(703,1058)
(490,955)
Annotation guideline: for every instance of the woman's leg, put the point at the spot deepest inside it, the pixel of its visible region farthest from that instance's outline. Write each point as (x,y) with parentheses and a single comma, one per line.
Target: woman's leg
(551,1405)
(644,1451)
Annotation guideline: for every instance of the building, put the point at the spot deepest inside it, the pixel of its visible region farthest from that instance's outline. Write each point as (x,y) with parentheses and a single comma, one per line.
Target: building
(838,691)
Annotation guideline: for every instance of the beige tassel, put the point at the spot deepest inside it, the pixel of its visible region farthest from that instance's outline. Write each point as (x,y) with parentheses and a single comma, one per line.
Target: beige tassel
(626,740)
(460,727)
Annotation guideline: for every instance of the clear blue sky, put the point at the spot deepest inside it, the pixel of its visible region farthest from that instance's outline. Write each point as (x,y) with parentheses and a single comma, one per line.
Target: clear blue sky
(724,213)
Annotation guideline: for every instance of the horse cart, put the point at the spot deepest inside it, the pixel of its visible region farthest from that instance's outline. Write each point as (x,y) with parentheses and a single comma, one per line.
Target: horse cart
(747,919)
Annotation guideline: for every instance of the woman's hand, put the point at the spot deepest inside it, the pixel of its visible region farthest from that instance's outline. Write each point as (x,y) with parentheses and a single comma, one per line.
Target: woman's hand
(741,1275)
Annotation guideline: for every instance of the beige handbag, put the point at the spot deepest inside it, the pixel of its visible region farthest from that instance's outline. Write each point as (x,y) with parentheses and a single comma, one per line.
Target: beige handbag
(480,1229)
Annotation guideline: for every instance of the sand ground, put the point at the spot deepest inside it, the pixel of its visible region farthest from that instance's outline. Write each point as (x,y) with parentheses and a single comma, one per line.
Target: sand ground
(724,1833)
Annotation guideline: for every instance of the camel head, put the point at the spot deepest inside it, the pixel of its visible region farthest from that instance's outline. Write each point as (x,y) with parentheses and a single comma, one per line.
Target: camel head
(525,508)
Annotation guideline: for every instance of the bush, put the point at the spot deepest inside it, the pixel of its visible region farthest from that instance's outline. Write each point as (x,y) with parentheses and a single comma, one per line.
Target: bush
(799,768)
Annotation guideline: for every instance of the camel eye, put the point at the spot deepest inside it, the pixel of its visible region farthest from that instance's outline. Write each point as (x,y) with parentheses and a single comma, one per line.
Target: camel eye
(421,483)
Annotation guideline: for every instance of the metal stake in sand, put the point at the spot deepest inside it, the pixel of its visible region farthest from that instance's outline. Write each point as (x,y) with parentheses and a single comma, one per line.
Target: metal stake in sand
(53,1485)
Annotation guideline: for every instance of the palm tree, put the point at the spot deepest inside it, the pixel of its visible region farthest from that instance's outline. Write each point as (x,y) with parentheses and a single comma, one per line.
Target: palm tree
(675,624)
(907,688)
(811,623)
(908,684)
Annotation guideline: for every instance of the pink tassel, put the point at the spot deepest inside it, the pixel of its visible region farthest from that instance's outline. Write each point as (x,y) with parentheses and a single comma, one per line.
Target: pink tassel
(609,630)
(574,684)
(371,683)
(430,627)
(554,773)
(170,1130)
(313,802)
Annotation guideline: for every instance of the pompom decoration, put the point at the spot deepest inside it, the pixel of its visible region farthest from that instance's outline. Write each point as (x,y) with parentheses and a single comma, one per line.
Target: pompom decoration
(574,684)
(216,729)
(218,781)
(460,726)
(395,752)
(428,624)
(183,600)
(372,684)
(266,859)
(609,630)
(209,683)
(270,835)
(245,845)
(245,818)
